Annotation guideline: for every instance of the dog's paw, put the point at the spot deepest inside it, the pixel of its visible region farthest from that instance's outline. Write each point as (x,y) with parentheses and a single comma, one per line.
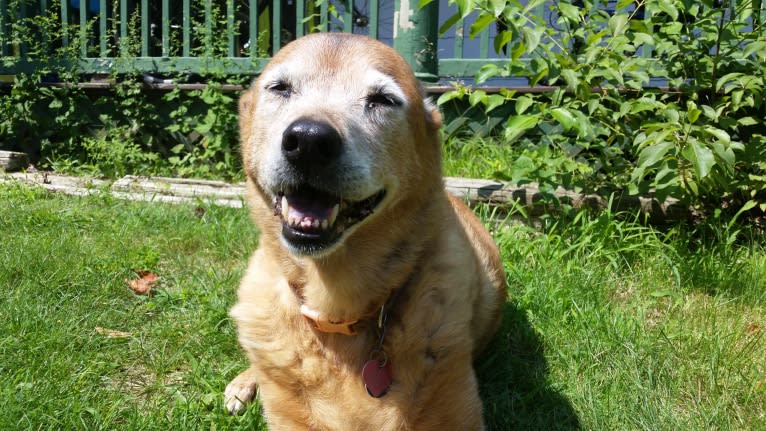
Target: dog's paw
(239,392)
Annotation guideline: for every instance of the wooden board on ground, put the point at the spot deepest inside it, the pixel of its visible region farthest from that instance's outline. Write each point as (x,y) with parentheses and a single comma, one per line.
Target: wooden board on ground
(11,161)
(474,191)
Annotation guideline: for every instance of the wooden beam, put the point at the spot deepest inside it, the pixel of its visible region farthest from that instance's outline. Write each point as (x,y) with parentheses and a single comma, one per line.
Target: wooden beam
(12,161)
(529,197)
(535,202)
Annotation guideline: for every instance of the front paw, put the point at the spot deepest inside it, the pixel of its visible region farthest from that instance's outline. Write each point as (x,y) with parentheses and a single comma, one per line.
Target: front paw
(239,392)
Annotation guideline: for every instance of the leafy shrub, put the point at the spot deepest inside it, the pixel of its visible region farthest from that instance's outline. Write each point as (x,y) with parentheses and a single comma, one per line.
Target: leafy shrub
(125,129)
(701,139)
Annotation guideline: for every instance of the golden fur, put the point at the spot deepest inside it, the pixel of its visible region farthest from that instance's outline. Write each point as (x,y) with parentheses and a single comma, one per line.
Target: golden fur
(419,242)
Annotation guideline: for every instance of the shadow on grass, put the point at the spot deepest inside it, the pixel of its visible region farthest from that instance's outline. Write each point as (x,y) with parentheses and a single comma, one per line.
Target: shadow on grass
(514,384)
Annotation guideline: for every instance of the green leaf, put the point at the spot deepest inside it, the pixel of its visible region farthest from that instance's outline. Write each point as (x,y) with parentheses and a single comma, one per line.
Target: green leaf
(531,37)
(757,47)
(729,77)
(498,6)
(478,96)
(668,7)
(571,78)
(487,71)
(672,28)
(652,154)
(747,121)
(501,40)
(724,153)
(618,23)
(721,135)
(569,11)
(465,7)
(642,39)
(522,103)
(593,105)
(692,113)
(709,112)
(518,124)
(564,117)
(481,24)
(701,158)
(493,101)
(450,95)
(641,105)
(449,23)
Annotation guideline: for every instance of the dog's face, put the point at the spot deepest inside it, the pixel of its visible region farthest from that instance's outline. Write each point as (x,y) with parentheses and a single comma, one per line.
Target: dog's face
(334,132)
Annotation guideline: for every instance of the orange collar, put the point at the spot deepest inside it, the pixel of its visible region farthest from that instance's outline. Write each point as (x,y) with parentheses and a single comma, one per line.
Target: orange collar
(322,323)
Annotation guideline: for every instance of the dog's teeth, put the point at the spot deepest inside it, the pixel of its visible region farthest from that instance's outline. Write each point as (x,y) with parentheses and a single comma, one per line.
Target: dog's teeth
(292,221)
(285,208)
(333,215)
(315,224)
(325,224)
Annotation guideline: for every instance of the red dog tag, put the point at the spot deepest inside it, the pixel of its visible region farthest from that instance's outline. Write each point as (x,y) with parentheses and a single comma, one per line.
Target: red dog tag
(377,377)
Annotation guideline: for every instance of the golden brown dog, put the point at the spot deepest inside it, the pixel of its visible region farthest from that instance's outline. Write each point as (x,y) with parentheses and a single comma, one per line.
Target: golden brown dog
(372,291)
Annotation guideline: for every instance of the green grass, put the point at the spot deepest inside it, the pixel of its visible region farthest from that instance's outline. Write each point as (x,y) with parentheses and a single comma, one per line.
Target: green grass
(63,265)
(610,326)
(519,164)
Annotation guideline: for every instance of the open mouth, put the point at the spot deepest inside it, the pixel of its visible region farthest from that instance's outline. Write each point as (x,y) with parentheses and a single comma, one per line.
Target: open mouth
(313,220)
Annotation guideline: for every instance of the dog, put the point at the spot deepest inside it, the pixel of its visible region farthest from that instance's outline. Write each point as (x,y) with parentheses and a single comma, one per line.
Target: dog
(372,290)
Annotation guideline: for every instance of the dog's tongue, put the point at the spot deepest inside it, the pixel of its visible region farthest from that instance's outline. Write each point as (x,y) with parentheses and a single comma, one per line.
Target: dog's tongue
(314,207)
(309,208)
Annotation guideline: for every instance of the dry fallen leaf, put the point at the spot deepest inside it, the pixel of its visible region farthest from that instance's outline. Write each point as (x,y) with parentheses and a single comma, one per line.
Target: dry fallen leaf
(113,333)
(143,285)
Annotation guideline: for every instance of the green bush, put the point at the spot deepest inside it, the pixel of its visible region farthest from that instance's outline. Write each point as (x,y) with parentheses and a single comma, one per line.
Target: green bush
(701,139)
(127,128)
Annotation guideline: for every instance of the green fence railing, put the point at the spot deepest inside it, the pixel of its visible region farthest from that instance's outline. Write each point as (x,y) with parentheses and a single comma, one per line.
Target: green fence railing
(239,36)
(198,36)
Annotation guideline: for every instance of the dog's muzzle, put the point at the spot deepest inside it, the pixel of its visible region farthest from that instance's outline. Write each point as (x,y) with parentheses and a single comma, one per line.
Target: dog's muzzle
(313,216)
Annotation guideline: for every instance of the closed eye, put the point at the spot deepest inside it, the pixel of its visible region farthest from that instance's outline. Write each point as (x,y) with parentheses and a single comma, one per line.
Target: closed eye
(381,99)
(280,88)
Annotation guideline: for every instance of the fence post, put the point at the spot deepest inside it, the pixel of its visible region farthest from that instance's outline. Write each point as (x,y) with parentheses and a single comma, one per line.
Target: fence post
(416,31)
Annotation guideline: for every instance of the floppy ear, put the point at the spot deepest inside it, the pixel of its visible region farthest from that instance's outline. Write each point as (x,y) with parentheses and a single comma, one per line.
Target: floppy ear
(246,102)
(246,108)
(433,116)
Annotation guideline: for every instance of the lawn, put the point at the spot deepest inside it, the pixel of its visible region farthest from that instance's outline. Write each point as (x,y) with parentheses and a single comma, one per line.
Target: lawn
(610,325)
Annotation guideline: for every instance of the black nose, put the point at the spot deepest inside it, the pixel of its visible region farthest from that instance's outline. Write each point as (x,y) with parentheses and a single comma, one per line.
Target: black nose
(308,143)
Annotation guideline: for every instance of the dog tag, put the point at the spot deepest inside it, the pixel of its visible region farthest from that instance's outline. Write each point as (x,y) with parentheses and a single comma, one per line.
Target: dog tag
(377,377)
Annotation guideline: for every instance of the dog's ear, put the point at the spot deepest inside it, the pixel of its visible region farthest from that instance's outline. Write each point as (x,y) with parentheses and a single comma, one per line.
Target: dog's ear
(246,107)
(433,116)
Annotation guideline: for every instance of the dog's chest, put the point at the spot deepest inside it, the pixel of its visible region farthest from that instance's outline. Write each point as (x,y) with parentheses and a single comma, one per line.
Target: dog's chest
(326,374)
(310,359)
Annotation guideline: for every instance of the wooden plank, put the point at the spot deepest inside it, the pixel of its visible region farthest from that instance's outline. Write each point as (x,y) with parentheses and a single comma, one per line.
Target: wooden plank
(473,191)
(58,183)
(173,192)
(533,200)
(180,187)
(13,161)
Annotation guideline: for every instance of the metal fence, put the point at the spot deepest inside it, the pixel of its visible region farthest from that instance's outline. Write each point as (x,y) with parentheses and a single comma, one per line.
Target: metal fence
(233,36)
